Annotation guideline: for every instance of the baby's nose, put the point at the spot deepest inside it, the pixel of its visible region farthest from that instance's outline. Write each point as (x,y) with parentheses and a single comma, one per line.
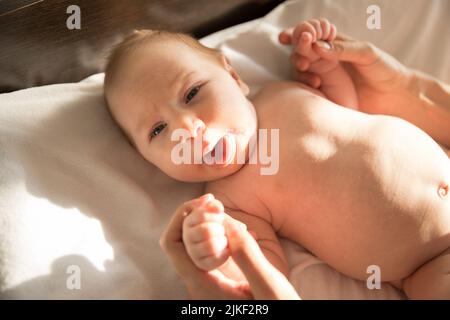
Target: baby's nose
(197,128)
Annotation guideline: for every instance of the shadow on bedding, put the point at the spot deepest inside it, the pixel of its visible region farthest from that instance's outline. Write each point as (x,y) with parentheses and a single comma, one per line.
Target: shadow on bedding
(66,282)
(77,158)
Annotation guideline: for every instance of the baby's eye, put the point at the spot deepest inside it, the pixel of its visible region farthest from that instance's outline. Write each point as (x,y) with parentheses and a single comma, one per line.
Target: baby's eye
(157,130)
(192,93)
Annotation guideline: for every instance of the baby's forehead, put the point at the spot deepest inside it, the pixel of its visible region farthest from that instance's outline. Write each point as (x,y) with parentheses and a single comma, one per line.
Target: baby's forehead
(162,61)
(169,47)
(156,67)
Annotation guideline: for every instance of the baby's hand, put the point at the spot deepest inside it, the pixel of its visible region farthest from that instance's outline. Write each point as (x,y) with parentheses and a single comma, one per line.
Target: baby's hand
(309,68)
(204,235)
(307,34)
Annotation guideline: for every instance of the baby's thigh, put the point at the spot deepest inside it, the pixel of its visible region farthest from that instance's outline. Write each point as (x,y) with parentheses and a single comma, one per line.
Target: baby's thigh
(430,281)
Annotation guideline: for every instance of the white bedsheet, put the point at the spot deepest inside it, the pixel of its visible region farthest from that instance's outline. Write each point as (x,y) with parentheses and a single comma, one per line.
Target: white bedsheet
(73,193)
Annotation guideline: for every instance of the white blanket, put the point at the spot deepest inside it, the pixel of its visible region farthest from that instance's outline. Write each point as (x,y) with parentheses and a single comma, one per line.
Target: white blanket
(75,197)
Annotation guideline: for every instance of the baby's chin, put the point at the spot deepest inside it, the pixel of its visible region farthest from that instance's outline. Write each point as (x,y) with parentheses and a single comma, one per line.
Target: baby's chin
(204,173)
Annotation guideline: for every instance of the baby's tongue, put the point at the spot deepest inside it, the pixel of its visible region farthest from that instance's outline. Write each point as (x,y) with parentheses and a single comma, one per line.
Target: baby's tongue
(220,145)
(213,136)
(217,148)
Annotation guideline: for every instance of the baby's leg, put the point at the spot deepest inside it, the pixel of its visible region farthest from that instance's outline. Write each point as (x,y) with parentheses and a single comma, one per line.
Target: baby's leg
(431,281)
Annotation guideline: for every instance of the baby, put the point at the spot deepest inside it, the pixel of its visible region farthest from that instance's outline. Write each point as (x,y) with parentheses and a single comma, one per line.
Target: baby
(354,189)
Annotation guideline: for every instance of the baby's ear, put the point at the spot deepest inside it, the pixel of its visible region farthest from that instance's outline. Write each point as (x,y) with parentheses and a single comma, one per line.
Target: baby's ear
(226,63)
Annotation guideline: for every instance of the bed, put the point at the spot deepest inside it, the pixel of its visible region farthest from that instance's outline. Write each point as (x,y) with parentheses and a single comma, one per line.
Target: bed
(75,196)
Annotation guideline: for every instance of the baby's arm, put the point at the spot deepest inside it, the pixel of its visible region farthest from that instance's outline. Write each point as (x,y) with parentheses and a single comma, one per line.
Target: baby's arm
(328,76)
(204,239)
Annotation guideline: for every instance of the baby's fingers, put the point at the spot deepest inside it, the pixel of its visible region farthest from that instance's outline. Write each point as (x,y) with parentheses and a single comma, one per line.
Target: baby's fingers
(317,27)
(325,26)
(304,27)
(211,211)
(215,206)
(304,44)
(299,63)
(196,219)
(172,235)
(333,33)
(209,248)
(202,232)
(285,36)
(212,262)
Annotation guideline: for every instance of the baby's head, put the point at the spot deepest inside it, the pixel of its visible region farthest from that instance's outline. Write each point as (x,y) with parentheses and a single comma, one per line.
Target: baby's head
(157,82)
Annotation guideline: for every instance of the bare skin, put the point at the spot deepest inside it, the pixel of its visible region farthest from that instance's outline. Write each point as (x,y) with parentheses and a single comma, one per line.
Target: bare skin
(311,199)
(355,189)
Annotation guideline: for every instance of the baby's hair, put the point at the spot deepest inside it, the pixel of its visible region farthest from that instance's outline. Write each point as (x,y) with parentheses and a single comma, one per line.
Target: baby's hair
(137,39)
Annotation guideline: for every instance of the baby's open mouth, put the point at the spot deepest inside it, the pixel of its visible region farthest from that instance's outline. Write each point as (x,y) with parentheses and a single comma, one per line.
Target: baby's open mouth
(222,152)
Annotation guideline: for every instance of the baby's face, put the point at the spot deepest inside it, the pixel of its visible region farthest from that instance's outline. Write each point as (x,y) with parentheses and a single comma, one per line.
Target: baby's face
(167,85)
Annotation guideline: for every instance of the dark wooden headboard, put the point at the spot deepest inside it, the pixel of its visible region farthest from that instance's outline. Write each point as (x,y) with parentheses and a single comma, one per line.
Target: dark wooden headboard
(38,48)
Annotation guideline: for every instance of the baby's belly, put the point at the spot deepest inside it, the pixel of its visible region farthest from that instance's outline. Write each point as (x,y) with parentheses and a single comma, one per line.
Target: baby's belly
(377,200)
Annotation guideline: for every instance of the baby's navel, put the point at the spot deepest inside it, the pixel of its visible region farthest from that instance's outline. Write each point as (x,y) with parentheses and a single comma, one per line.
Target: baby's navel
(443,189)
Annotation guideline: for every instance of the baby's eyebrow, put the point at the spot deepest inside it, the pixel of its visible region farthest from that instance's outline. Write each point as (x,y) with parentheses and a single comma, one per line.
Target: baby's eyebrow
(174,85)
(184,76)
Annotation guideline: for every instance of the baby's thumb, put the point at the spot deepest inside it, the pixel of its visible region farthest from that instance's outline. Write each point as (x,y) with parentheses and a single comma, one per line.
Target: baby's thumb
(285,36)
(265,281)
(352,51)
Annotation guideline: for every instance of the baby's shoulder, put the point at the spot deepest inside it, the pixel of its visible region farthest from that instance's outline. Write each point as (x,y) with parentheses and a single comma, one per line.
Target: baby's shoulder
(278,91)
(279,101)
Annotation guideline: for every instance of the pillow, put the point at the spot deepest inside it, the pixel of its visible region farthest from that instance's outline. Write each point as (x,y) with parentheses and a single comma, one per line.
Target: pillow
(81,212)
